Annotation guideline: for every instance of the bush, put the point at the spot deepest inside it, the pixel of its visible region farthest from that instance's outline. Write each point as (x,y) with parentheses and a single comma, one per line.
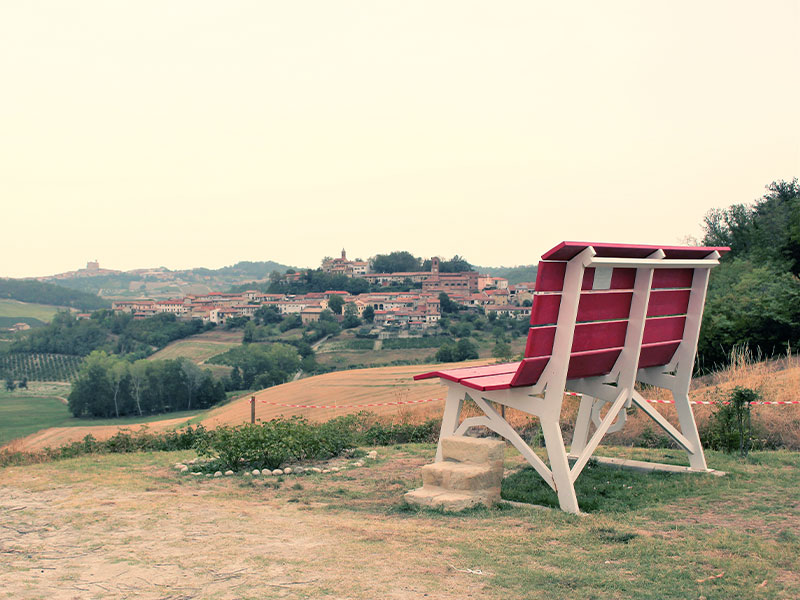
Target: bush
(731,428)
(273,443)
(123,441)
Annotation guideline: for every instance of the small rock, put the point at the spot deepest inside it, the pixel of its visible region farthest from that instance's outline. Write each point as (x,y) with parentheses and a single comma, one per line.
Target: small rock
(299,470)
(246,473)
(358,464)
(192,462)
(184,468)
(373,454)
(316,470)
(218,474)
(277,472)
(209,475)
(287,470)
(256,472)
(179,466)
(326,470)
(228,473)
(335,469)
(266,472)
(197,473)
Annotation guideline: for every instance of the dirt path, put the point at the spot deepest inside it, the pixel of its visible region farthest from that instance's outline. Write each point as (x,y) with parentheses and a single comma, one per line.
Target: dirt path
(145,532)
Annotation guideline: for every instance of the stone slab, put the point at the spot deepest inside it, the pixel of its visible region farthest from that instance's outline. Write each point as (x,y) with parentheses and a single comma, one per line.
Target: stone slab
(462,476)
(476,450)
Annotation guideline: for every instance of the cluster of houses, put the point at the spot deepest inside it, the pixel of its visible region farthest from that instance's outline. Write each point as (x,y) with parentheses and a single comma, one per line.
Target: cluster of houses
(416,311)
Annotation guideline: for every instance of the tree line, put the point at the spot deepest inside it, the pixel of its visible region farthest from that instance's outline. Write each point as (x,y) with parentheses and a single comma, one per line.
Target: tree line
(46,293)
(110,386)
(114,333)
(754,295)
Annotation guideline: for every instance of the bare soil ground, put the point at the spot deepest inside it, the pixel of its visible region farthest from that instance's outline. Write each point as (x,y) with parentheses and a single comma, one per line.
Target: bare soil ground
(129,526)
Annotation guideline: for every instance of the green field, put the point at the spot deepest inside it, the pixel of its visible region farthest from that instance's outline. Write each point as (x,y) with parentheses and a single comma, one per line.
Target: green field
(13,309)
(21,415)
(23,412)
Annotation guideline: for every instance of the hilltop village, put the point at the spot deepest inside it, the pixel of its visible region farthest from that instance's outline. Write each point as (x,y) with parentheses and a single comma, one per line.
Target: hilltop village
(416,310)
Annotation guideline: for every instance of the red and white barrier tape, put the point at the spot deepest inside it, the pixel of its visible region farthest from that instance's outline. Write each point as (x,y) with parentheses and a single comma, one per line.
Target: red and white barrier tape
(398,403)
(348,405)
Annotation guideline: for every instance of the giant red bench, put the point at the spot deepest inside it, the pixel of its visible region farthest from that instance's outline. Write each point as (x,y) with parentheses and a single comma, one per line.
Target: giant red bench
(604,316)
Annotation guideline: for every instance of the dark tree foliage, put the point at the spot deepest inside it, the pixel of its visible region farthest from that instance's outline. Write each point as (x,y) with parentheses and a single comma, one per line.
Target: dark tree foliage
(47,293)
(767,231)
(261,366)
(465,349)
(266,315)
(754,295)
(399,261)
(457,264)
(109,386)
(112,332)
(335,304)
(446,305)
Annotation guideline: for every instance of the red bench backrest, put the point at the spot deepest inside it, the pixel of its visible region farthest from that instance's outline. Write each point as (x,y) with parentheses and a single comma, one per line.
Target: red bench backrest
(602,317)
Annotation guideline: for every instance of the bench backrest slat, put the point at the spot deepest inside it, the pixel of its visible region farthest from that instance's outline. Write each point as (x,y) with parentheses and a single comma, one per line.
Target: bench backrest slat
(604,309)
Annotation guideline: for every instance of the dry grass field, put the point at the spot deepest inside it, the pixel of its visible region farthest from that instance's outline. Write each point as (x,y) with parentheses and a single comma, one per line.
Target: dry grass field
(129,526)
(351,391)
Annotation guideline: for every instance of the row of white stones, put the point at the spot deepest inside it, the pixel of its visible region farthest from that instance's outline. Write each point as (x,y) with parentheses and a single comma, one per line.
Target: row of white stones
(184,468)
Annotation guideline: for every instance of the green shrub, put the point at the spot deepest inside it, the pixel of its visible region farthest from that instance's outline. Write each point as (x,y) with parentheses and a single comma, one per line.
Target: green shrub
(731,428)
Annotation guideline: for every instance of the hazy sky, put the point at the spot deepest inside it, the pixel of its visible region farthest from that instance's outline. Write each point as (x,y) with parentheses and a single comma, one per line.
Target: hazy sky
(198,133)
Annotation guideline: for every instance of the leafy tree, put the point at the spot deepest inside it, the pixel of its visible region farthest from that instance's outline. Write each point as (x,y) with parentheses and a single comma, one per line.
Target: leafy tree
(466,350)
(368,314)
(395,262)
(457,264)
(446,353)
(10,386)
(753,295)
(193,378)
(249,332)
(502,351)
(266,315)
(23,384)
(236,378)
(335,304)
(350,316)
(446,305)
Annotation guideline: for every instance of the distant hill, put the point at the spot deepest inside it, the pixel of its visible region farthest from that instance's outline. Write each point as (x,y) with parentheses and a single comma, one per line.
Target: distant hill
(47,293)
(161,282)
(514,275)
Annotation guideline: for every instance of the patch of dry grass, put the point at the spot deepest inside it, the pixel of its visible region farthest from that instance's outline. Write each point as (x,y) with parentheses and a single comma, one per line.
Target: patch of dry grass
(129,526)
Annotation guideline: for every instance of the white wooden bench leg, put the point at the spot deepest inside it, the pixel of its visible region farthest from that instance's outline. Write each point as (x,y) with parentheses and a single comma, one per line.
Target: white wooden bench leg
(697,460)
(559,466)
(452,413)
(581,434)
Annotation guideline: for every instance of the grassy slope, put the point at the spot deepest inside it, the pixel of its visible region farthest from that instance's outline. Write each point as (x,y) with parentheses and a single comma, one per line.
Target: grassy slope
(21,415)
(348,534)
(199,348)
(16,309)
(26,412)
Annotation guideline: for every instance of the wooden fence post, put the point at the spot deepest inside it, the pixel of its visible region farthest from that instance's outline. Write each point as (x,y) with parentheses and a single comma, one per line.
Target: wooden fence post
(252,409)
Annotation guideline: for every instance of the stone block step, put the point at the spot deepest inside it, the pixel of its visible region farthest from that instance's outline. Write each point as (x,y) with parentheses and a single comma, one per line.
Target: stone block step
(474,450)
(462,476)
(438,497)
